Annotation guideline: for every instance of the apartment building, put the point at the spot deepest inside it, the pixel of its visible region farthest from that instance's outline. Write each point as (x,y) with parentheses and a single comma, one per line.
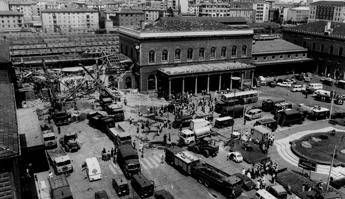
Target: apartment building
(261,11)
(70,20)
(327,11)
(10,21)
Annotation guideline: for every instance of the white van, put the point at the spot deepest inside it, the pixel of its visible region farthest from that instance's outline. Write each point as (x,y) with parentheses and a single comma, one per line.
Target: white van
(93,169)
(263,194)
(314,86)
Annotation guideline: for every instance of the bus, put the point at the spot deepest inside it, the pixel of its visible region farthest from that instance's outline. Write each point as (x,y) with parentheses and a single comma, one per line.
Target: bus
(243,97)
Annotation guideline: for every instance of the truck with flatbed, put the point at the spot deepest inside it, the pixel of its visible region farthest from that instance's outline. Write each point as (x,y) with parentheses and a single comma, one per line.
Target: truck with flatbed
(59,187)
(60,161)
(208,175)
(128,160)
(116,111)
(314,112)
(69,142)
(118,136)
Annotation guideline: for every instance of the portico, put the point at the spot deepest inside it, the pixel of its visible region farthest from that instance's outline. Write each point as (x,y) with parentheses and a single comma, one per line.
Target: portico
(204,77)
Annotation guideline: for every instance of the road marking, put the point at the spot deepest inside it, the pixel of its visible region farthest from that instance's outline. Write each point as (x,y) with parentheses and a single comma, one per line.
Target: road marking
(158,158)
(154,163)
(143,164)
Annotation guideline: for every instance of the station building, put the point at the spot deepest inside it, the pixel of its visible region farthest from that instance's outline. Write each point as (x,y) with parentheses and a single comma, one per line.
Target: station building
(325,44)
(177,55)
(278,57)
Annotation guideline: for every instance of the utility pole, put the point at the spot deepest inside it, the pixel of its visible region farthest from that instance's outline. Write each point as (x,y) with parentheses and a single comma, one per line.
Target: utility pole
(330,169)
(332,99)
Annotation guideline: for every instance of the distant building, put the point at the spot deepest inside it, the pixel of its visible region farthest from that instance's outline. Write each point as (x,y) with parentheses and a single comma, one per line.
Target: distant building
(177,55)
(10,21)
(277,56)
(4,5)
(326,44)
(129,18)
(70,20)
(274,15)
(153,14)
(327,11)
(246,13)
(29,9)
(296,15)
(225,10)
(261,11)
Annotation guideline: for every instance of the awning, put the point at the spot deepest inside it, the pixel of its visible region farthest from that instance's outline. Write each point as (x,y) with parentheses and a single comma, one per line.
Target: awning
(205,68)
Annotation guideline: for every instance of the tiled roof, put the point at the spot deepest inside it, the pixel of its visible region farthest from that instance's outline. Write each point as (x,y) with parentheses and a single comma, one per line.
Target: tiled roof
(275,46)
(205,68)
(11,13)
(176,24)
(318,28)
(9,142)
(335,3)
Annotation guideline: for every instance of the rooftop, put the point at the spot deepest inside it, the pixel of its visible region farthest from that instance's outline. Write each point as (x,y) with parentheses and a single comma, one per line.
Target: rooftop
(318,28)
(336,3)
(176,24)
(204,68)
(301,8)
(275,46)
(29,126)
(9,142)
(21,3)
(6,13)
(130,11)
(68,10)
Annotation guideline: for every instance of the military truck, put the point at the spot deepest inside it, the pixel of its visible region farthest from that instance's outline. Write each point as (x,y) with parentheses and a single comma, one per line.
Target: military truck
(128,160)
(289,117)
(268,104)
(116,111)
(204,173)
(49,139)
(204,146)
(59,188)
(61,117)
(69,142)
(60,161)
(119,137)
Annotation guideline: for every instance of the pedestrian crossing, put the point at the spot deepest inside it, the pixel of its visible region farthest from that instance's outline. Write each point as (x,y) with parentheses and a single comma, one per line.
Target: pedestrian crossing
(146,163)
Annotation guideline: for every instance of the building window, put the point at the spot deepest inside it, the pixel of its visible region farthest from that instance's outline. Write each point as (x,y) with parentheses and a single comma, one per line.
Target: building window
(165,55)
(322,47)
(190,53)
(234,51)
(273,57)
(331,50)
(244,50)
(304,44)
(289,56)
(264,58)
(281,56)
(296,55)
(314,46)
(152,56)
(201,53)
(340,53)
(178,54)
(223,52)
(213,52)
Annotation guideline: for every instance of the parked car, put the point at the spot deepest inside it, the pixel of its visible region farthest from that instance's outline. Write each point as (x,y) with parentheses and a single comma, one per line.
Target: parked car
(298,88)
(253,114)
(284,84)
(235,156)
(101,195)
(248,183)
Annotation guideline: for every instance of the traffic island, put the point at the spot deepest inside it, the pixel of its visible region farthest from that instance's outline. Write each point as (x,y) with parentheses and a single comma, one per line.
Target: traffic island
(320,146)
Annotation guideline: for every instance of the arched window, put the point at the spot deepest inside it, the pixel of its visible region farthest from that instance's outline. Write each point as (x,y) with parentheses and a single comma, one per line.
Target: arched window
(213,52)
(128,82)
(244,50)
(223,52)
(340,53)
(331,50)
(152,56)
(190,53)
(234,51)
(178,54)
(151,82)
(202,53)
(165,55)
(322,47)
